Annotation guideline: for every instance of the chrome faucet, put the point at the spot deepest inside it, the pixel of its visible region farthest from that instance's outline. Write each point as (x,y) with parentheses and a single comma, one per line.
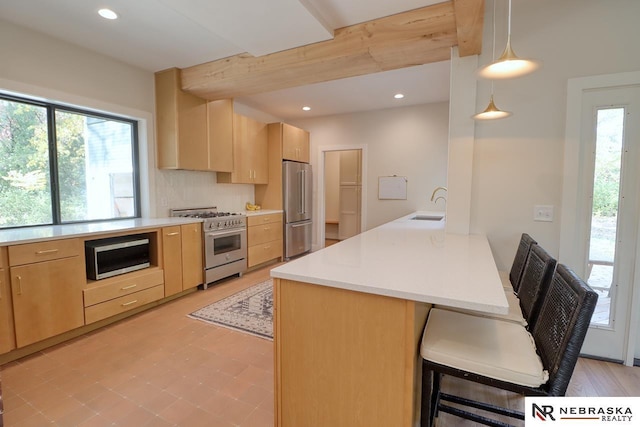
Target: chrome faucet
(434,194)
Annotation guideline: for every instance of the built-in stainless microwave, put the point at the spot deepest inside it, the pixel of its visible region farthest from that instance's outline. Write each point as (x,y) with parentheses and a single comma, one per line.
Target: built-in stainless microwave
(116,255)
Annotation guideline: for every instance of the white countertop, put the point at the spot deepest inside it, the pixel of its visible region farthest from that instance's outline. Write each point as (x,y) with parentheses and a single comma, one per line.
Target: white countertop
(52,232)
(262,212)
(409,259)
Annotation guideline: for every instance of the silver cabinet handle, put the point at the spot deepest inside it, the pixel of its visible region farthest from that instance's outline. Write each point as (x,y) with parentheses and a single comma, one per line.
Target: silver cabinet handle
(175,233)
(128,287)
(19,280)
(129,303)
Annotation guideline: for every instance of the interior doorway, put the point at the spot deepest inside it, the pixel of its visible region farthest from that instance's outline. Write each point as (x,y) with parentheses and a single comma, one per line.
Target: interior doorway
(341,203)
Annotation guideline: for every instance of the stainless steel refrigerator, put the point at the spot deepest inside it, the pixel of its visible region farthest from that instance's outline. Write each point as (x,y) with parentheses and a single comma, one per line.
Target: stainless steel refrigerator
(297,191)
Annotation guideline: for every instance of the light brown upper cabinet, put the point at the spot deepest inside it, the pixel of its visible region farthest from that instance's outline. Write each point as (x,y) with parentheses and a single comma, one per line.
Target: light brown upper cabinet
(220,134)
(286,142)
(192,133)
(295,143)
(250,164)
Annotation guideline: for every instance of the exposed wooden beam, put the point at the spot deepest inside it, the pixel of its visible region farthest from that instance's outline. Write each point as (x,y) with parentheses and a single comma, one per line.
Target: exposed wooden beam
(469,23)
(415,37)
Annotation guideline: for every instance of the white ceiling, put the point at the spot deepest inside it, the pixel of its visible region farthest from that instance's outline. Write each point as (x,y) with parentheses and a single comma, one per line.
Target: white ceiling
(158,34)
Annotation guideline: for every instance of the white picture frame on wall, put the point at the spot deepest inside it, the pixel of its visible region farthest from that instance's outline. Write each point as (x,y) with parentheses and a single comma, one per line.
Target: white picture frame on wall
(392,187)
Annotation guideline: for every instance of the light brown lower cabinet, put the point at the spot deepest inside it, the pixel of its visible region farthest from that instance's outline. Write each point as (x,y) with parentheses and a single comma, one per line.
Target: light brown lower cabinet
(345,358)
(122,304)
(47,298)
(192,253)
(264,238)
(182,257)
(7,334)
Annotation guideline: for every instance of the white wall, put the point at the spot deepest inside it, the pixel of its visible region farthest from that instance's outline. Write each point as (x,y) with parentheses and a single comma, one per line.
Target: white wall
(518,161)
(409,141)
(40,66)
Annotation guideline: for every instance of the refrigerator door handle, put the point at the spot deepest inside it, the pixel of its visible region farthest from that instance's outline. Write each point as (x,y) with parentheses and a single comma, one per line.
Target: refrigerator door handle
(304,191)
(300,193)
(300,225)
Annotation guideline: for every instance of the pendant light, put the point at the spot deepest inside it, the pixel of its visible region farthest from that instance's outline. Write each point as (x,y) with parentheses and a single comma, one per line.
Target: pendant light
(492,112)
(508,65)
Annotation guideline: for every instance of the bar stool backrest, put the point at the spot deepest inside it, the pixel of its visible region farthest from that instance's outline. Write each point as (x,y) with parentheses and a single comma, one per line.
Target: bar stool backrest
(562,324)
(535,280)
(520,259)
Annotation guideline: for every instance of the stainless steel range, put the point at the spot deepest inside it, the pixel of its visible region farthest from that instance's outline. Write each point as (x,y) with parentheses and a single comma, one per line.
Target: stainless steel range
(225,241)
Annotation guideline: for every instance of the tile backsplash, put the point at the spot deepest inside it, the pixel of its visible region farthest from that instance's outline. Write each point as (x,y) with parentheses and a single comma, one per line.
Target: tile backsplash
(178,189)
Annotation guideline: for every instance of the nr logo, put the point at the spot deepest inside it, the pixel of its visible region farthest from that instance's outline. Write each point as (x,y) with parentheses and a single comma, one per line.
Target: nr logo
(543,412)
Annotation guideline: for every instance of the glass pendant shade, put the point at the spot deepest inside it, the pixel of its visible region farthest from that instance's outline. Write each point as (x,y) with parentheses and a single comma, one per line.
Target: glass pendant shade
(491,112)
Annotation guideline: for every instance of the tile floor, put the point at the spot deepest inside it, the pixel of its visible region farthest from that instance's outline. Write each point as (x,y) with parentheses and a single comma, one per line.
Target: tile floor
(161,368)
(158,368)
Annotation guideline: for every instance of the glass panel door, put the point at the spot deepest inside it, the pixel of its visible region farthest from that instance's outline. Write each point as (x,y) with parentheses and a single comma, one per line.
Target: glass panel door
(610,163)
(604,212)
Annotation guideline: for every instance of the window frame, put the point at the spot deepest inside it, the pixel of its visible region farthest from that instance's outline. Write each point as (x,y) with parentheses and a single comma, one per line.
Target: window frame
(51,108)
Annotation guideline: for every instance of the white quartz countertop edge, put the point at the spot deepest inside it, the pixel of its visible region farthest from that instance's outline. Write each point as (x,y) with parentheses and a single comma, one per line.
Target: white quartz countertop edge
(40,233)
(394,293)
(409,259)
(262,212)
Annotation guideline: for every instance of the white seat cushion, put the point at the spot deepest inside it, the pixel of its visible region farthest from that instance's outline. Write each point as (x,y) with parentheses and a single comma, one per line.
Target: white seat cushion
(514,314)
(489,347)
(504,278)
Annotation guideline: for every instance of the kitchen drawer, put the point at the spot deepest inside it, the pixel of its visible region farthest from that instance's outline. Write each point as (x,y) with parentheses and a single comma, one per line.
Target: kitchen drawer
(265,252)
(264,233)
(122,304)
(30,253)
(118,286)
(263,219)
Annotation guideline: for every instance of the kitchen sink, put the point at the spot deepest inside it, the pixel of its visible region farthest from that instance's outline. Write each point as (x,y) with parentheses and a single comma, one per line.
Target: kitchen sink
(428,217)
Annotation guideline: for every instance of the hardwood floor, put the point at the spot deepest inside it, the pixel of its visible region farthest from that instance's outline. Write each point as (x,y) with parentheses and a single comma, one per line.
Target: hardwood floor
(162,368)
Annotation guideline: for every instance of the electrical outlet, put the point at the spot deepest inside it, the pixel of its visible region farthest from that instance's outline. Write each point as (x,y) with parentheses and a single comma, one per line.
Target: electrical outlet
(163,202)
(543,213)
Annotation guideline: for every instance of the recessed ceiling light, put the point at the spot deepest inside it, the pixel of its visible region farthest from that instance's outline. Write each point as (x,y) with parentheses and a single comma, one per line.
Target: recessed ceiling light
(305,108)
(398,96)
(108,14)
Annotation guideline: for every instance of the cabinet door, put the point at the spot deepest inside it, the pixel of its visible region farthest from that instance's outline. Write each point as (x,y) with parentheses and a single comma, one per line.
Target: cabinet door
(192,269)
(250,150)
(47,298)
(220,134)
(295,143)
(242,168)
(181,125)
(258,149)
(7,335)
(350,207)
(172,260)
(351,167)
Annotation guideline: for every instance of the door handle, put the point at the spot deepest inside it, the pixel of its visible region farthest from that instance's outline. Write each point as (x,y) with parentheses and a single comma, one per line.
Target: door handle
(129,303)
(19,280)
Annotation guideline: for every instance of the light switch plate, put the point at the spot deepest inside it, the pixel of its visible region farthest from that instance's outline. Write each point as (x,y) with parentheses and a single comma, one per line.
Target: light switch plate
(543,213)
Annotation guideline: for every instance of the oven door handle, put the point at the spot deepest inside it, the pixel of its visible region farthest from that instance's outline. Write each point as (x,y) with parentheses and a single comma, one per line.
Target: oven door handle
(224,233)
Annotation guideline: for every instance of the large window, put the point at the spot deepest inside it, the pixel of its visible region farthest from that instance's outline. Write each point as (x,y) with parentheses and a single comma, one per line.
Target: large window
(61,165)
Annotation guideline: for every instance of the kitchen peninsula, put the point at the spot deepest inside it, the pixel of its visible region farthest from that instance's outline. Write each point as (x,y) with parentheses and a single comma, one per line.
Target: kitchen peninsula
(349,318)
